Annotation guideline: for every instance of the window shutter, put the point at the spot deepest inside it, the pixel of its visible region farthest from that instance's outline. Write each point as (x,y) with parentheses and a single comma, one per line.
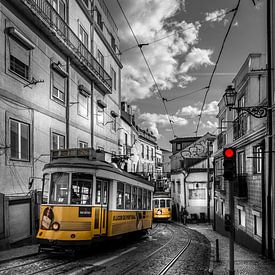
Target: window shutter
(58,81)
(18,51)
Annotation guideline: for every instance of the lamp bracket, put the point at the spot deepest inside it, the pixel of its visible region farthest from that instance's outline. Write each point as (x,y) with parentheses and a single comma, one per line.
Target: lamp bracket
(256,111)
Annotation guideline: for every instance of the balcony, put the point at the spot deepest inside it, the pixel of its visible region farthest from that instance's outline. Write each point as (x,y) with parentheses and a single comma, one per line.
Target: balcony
(126,116)
(240,186)
(146,135)
(221,140)
(240,126)
(45,17)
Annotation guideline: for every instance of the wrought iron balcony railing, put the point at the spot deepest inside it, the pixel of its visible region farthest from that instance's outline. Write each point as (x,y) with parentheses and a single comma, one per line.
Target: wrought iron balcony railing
(240,186)
(59,31)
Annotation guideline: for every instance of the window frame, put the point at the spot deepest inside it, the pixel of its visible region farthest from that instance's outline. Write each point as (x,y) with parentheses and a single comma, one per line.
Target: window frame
(57,98)
(20,123)
(79,105)
(114,78)
(58,141)
(83,143)
(99,113)
(100,58)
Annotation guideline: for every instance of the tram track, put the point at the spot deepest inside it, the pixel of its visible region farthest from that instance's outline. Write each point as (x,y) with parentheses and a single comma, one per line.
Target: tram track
(131,267)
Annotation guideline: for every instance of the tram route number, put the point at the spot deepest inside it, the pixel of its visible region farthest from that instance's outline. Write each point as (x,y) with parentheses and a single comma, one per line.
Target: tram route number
(85,212)
(124,217)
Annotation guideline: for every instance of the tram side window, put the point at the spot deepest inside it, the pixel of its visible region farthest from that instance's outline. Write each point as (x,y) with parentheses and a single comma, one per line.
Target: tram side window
(127,196)
(139,198)
(120,195)
(156,203)
(149,200)
(45,188)
(81,192)
(134,197)
(59,188)
(144,199)
(162,203)
(98,192)
(168,203)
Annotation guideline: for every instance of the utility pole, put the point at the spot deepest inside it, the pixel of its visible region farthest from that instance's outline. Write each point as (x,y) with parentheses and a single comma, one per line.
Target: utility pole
(208,180)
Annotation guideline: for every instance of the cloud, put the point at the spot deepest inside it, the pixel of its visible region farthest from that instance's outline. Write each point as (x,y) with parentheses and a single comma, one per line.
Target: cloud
(215,16)
(162,55)
(190,111)
(195,59)
(152,120)
(210,124)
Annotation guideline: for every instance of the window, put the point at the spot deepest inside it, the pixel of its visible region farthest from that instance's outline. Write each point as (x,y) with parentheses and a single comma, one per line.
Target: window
(113,124)
(162,204)
(152,153)
(113,76)
(60,7)
(149,200)
(82,104)
(100,58)
(178,146)
(58,141)
(99,19)
(120,195)
(222,208)
(178,186)
(19,140)
(156,203)
(134,197)
(127,196)
(19,58)
(83,36)
(168,203)
(139,198)
(82,144)
(241,163)
(258,225)
(197,194)
(100,115)
(142,150)
(59,188)
(173,187)
(58,88)
(81,191)
(113,42)
(241,215)
(45,188)
(257,160)
(144,199)
(147,152)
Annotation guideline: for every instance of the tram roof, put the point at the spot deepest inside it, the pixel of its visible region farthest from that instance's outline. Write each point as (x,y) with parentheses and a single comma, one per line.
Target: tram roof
(162,195)
(75,162)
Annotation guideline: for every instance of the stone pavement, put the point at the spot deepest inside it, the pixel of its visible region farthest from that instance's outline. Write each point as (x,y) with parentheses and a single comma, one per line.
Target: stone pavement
(246,261)
(18,252)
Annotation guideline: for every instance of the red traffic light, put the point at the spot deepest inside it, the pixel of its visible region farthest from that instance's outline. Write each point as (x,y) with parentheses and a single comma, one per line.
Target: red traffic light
(229,152)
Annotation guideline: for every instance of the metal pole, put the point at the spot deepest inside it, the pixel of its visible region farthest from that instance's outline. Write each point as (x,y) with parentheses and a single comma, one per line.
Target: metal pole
(207,187)
(269,131)
(231,233)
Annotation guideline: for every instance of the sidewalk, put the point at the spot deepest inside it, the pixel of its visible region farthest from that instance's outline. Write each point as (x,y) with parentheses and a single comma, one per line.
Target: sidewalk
(18,252)
(246,261)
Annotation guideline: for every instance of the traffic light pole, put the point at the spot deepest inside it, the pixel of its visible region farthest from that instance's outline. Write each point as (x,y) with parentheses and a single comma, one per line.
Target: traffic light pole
(231,232)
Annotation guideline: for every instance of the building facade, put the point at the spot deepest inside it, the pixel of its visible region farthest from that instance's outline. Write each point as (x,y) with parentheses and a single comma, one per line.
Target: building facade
(60,84)
(247,135)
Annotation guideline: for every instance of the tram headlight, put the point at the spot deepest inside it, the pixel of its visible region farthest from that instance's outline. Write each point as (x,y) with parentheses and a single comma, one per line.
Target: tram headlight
(56,226)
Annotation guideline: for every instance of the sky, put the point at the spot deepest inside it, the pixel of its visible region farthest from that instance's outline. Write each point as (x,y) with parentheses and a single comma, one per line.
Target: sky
(184,39)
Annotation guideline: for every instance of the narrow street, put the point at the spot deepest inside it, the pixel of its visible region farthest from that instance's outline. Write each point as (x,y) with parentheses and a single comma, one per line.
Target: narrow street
(169,248)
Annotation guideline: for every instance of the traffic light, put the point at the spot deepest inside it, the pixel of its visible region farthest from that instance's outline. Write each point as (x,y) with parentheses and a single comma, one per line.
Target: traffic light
(229,163)
(227,222)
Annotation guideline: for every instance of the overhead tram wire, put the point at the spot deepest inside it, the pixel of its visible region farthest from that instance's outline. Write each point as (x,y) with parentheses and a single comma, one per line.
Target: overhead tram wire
(193,92)
(216,64)
(172,34)
(151,73)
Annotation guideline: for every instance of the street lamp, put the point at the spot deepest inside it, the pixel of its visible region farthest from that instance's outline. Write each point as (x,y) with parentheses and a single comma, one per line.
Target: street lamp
(230,99)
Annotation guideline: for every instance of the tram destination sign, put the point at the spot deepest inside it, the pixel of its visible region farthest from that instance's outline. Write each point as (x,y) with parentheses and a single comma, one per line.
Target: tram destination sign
(85,211)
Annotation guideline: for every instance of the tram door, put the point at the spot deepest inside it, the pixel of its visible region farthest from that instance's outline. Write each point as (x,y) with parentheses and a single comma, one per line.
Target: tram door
(101,214)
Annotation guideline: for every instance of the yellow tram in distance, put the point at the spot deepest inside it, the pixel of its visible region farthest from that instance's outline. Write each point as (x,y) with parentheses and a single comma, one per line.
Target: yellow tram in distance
(162,206)
(85,198)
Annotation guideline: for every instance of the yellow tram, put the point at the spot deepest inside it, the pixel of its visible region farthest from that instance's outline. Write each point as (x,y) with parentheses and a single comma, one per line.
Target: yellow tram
(85,199)
(162,206)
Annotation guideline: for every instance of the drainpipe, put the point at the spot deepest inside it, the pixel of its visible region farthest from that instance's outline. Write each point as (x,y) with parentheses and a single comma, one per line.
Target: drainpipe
(185,175)
(68,104)
(263,198)
(269,133)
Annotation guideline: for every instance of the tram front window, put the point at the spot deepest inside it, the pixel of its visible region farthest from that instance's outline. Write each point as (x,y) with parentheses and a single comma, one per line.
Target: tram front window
(81,192)
(59,188)
(162,203)
(45,188)
(156,203)
(168,203)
